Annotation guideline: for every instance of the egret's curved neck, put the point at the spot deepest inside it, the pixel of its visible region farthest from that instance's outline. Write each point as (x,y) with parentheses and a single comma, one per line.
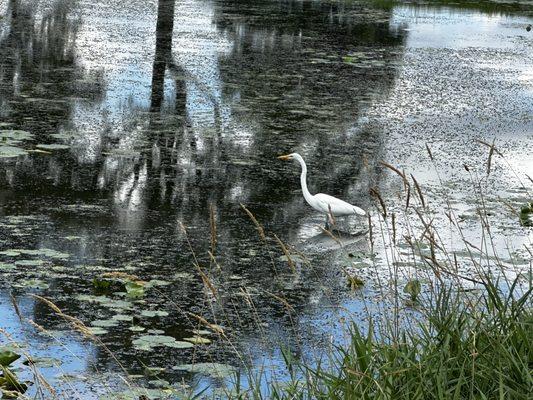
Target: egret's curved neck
(303,180)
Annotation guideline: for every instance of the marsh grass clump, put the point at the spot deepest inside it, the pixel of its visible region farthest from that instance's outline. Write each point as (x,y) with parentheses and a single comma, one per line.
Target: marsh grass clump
(476,349)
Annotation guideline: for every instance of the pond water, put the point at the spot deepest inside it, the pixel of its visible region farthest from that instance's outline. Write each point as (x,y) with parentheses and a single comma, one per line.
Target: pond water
(132,132)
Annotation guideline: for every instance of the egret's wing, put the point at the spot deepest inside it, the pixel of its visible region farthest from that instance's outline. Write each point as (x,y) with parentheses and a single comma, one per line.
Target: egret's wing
(337,206)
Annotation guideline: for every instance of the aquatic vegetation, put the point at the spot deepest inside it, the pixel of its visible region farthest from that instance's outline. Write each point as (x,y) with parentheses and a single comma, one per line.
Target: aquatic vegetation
(53,146)
(526,215)
(10,386)
(413,288)
(216,370)
(149,342)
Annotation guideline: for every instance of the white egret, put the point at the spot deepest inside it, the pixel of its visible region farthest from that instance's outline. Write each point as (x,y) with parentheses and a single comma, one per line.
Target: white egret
(321,202)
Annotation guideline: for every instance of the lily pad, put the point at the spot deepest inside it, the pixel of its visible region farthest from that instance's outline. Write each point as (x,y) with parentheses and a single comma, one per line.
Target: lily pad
(96,330)
(104,323)
(148,342)
(153,313)
(122,317)
(134,289)
(215,370)
(198,340)
(44,362)
(29,262)
(11,152)
(14,135)
(139,393)
(32,283)
(53,146)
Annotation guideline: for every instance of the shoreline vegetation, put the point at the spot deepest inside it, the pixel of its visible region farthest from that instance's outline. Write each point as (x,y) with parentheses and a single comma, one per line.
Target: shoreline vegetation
(445,334)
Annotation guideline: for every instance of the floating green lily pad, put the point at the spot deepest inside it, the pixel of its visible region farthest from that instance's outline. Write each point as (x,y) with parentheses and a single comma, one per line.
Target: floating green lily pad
(139,393)
(197,340)
(134,289)
(153,313)
(44,362)
(216,370)
(36,252)
(7,267)
(104,323)
(14,135)
(11,152)
(96,330)
(53,146)
(32,283)
(29,262)
(148,342)
(123,317)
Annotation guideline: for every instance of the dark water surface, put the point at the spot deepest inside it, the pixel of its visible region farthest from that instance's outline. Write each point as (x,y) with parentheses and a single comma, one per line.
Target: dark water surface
(138,116)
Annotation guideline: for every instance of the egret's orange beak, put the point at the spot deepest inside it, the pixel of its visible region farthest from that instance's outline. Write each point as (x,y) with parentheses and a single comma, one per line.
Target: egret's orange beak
(285,158)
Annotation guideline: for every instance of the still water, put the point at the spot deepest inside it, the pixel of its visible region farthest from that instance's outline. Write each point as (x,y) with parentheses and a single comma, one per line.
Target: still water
(134,120)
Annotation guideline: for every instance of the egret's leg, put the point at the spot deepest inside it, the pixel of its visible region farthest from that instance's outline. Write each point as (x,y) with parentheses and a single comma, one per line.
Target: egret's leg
(327,222)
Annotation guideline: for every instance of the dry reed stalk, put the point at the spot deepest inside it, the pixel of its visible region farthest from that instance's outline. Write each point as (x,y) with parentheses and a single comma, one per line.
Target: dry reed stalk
(511,208)
(82,328)
(419,191)
(449,216)
(408,197)
(15,306)
(282,301)
(331,235)
(375,193)
(258,226)
(213,228)
(397,171)
(207,282)
(429,152)
(48,303)
(489,161)
(214,261)
(370,233)
(286,252)
(203,321)
(495,149)
(393,215)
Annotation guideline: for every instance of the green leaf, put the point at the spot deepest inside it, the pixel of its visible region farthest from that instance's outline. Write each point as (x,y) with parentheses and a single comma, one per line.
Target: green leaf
(134,289)
(526,215)
(7,357)
(412,288)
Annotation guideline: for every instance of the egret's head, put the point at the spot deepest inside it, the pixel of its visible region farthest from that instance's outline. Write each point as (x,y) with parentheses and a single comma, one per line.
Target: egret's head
(287,157)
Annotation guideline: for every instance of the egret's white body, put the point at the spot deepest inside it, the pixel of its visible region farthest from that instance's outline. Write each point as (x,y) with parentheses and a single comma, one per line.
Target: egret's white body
(323,203)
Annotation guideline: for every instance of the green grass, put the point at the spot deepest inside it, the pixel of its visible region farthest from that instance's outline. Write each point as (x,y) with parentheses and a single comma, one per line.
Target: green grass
(468,347)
